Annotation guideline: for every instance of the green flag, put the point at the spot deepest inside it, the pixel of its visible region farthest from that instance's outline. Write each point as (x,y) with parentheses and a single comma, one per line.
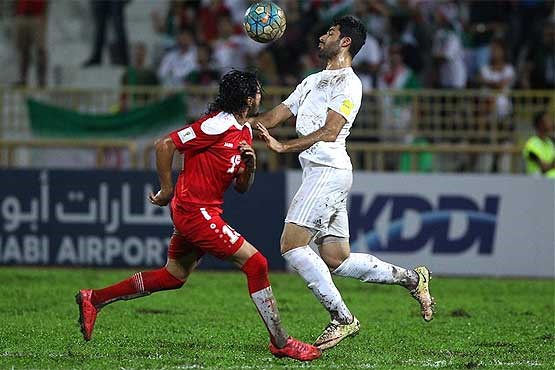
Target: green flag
(51,121)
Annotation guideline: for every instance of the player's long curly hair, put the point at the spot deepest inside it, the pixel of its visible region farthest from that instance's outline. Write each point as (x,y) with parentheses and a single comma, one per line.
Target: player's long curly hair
(235,87)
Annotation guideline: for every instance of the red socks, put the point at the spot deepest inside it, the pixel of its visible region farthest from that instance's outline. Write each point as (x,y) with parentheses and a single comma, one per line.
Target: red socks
(144,283)
(138,285)
(256,269)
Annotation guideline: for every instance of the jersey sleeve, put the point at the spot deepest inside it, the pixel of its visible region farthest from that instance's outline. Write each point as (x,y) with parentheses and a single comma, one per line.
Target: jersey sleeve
(293,101)
(346,99)
(193,138)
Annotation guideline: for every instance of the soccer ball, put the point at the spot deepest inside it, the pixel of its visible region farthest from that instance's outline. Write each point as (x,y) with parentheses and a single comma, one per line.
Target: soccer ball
(264,22)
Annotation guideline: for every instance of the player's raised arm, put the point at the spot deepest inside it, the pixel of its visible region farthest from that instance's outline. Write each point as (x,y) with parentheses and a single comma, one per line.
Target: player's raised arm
(165,149)
(328,132)
(245,175)
(273,117)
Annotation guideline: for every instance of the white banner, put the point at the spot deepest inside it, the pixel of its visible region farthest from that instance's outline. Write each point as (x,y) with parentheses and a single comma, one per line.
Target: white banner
(455,224)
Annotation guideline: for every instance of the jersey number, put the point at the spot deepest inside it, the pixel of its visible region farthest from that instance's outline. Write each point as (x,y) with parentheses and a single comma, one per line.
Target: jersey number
(230,233)
(235,161)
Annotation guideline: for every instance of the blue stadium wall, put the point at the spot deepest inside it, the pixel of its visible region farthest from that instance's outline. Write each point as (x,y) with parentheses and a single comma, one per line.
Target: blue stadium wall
(103,218)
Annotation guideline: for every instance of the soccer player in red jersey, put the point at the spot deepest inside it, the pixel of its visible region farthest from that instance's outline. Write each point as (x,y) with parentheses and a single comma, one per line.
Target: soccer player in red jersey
(217,151)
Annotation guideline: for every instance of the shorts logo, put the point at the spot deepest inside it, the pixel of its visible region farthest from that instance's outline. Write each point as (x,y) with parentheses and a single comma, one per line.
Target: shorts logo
(346,107)
(186,134)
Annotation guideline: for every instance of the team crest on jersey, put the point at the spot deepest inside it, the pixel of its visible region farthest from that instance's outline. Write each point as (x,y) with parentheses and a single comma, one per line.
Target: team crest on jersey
(186,134)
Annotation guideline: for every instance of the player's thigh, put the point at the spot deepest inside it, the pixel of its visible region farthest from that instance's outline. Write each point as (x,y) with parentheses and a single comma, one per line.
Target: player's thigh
(209,232)
(323,191)
(183,267)
(294,236)
(246,251)
(334,244)
(183,256)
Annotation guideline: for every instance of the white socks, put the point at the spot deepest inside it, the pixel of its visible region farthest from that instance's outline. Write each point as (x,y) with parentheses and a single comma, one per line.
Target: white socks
(266,305)
(317,275)
(370,269)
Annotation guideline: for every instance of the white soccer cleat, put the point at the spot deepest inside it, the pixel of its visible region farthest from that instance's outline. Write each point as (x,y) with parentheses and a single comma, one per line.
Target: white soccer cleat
(422,293)
(335,332)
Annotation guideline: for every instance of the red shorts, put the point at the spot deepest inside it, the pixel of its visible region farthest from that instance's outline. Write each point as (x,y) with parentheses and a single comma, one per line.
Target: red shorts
(204,229)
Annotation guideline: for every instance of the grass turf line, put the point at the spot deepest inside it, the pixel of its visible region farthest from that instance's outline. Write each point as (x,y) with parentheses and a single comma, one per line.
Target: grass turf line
(211,324)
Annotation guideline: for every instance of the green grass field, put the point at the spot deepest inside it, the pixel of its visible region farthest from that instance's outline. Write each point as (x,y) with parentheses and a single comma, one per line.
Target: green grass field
(211,324)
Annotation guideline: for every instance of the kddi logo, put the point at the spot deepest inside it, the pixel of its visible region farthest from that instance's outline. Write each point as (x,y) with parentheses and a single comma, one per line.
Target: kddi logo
(406,223)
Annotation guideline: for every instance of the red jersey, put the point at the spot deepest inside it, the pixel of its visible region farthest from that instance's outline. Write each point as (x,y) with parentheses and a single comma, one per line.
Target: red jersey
(211,159)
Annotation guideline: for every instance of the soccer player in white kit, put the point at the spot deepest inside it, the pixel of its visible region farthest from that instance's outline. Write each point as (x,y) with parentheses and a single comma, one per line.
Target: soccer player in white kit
(326,104)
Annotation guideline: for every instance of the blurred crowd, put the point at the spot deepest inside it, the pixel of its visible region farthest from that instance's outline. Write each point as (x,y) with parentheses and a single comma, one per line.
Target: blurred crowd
(499,44)
(410,43)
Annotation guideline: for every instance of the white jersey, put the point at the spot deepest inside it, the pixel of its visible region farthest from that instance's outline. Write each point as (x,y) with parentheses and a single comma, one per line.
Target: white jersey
(339,90)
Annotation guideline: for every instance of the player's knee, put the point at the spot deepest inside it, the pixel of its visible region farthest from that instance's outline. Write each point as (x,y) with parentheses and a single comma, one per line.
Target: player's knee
(332,262)
(256,265)
(256,269)
(179,273)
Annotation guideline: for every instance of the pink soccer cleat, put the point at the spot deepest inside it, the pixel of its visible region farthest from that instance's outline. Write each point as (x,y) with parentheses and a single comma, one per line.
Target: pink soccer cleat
(87,312)
(297,350)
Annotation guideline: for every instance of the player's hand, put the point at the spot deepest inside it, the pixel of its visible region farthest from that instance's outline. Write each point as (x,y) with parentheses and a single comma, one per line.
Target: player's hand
(271,142)
(162,197)
(248,155)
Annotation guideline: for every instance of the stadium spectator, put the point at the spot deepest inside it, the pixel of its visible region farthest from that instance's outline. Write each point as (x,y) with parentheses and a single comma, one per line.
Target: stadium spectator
(397,110)
(447,50)
(204,73)
(367,63)
(217,152)
(207,16)
(180,14)
(30,31)
(487,20)
(415,34)
(231,50)
(137,74)
(104,11)
(287,50)
(180,61)
(539,150)
(326,104)
(497,74)
(539,68)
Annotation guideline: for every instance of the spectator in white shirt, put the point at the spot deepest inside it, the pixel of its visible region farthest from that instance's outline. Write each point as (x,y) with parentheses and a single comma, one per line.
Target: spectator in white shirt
(177,63)
(367,62)
(447,50)
(498,75)
(231,50)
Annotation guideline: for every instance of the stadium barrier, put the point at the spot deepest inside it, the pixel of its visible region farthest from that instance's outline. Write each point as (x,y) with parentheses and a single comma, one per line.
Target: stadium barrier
(473,116)
(395,130)
(97,148)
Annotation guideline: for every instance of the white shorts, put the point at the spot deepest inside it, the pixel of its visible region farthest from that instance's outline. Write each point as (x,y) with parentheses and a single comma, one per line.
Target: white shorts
(320,203)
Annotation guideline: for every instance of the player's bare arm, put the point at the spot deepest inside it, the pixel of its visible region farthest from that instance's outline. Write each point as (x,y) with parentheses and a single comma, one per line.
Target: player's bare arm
(274,116)
(245,176)
(165,149)
(330,130)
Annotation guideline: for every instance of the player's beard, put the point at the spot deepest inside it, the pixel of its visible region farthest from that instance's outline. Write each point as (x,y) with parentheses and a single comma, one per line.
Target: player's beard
(329,51)
(253,111)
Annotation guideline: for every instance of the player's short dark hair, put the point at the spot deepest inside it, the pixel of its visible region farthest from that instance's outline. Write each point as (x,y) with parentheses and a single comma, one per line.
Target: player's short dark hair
(350,26)
(235,87)
(538,118)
